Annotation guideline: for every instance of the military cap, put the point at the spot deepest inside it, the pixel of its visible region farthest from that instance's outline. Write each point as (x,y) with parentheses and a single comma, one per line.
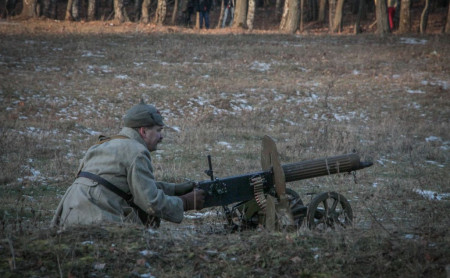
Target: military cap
(142,115)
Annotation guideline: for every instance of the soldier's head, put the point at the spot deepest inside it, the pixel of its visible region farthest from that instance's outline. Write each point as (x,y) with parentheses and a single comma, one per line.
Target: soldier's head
(147,121)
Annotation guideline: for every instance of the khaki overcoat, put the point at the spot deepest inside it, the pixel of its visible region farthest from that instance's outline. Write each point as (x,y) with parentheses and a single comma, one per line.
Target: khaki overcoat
(126,163)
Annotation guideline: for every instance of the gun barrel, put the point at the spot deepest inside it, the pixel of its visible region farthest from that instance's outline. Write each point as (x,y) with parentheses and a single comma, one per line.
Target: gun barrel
(324,166)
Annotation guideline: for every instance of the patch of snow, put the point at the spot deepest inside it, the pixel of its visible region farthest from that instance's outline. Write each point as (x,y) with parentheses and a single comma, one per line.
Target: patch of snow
(146,275)
(152,231)
(30,198)
(121,76)
(445,146)
(292,123)
(99,266)
(148,253)
(279,97)
(69,155)
(440,83)
(197,215)
(416,105)
(225,144)
(341,118)
(434,163)
(433,138)
(105,69)
(409,91)
(412,41)
(431,195)
(91,132)
(260,66)
(90,54)
(46,69)
(158,86)
(383,160)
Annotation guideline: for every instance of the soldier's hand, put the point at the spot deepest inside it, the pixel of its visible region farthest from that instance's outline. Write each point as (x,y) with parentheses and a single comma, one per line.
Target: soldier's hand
(193,200)
(183,188)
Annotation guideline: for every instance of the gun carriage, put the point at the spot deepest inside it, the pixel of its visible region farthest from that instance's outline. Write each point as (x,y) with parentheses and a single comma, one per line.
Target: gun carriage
(261,198)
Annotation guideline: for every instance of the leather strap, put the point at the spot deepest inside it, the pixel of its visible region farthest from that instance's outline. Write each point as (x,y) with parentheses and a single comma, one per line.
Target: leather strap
(148,220)
(127,197)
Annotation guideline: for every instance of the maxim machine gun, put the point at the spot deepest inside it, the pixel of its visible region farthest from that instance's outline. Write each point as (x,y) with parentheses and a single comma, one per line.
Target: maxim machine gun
(261,198)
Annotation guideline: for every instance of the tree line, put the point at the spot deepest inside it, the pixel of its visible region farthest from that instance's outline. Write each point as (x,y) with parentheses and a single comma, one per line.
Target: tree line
(292,13)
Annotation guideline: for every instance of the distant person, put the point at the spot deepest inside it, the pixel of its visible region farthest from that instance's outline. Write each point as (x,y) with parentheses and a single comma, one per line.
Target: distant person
(115,180)
(229,8)
(392,7)
(204,6)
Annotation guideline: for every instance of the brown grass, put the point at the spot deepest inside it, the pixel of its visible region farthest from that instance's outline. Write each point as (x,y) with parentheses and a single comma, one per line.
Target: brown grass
(316,95)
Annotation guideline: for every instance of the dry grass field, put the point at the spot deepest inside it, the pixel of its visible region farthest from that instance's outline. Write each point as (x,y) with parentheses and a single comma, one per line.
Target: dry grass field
(61,85)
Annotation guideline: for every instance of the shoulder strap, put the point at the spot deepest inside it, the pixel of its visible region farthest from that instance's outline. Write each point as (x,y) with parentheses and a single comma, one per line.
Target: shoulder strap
(148,220)
(127,197)
(102,139)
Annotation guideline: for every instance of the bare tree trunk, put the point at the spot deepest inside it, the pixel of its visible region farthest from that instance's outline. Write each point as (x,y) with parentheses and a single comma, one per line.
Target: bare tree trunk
(405,16)
(145,11)
(175,12)
(92,10)
(284,16)
(291,16)
(240,14)
(322,10)
(357,28)
(76,10)
(424,17)
(69,7)
(137,10)
(49,8)
(331,12)
(161,11)
(197,20)
(118,10)
(447,25)
(302,19)
(382,18)
(28,9)
(250,14)
(337,22)
(222,9)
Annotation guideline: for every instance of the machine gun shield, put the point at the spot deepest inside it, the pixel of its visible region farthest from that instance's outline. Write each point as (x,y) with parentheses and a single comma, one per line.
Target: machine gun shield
(270,161)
